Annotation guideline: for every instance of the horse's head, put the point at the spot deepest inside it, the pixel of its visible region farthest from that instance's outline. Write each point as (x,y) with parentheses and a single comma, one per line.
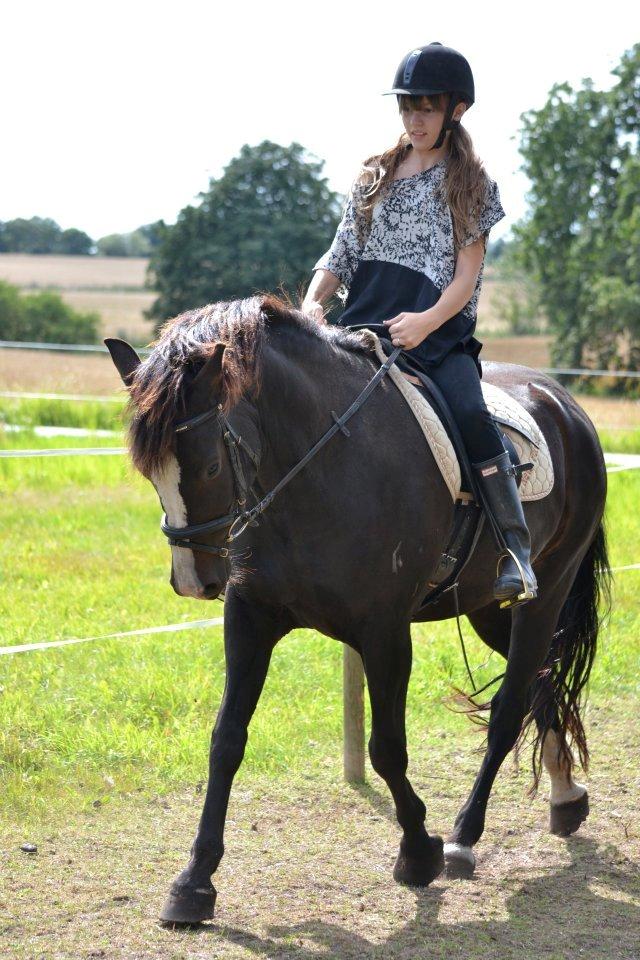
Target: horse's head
(195,461)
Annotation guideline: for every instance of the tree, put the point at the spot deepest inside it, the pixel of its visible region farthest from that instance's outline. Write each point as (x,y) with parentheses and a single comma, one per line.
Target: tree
(113,245)
(43,317)
(139,243)
(74,242)
(42,235)
(37,235)
(581,156)
(263,224)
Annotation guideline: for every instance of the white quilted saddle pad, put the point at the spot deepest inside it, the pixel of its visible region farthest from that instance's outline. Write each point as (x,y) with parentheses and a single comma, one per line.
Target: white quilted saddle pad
(516,422)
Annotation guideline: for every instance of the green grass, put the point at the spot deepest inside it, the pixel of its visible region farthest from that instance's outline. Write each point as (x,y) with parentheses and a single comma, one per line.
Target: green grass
(89,414)
(82,555)
(103,750)
(622,440)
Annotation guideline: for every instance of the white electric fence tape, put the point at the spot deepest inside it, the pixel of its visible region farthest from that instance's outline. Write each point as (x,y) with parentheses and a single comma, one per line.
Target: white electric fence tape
(169,628)
(64,452)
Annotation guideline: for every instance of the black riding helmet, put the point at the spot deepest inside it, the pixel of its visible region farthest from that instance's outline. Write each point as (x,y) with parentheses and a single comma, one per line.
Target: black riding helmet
(436,69)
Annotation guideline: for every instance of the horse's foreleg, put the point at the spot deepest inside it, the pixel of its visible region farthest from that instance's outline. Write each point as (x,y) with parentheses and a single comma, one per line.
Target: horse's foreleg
(250,634)
(388,667)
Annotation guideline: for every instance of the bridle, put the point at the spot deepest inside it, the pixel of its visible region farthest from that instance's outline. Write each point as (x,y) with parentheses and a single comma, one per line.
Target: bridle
(183,536)
(241,517)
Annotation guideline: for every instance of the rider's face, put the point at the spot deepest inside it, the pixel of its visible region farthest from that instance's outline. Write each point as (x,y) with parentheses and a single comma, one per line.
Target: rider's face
(423,120)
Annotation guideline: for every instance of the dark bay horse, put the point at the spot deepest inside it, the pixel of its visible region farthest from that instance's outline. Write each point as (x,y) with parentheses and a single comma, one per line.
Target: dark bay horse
(348,547)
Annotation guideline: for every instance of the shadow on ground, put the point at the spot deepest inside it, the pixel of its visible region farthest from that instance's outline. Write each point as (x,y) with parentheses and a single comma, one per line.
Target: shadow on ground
(590,906)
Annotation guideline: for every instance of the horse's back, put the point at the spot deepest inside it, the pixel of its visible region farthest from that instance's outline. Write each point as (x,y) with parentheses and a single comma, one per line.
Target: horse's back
(572,438)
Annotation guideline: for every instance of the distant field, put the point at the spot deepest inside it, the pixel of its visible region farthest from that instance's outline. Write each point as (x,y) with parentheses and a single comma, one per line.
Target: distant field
(73,273)
(530,351)
(488,318)
(122,313)
(40,372)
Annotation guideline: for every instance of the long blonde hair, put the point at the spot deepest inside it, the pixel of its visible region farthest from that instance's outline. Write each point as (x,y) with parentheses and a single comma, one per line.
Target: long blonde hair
(463,188)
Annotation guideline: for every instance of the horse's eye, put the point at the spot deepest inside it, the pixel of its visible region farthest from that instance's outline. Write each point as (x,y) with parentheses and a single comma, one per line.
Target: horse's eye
(213,470)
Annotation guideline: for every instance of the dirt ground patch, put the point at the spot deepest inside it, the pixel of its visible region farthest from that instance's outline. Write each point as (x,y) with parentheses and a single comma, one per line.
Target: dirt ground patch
(307,872)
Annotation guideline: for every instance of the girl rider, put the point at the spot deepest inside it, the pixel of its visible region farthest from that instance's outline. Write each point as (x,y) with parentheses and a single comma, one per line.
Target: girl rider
(410,249)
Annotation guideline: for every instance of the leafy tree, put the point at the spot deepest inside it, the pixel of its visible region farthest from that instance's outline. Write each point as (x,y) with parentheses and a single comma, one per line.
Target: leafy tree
(42,235)
(139,243)
(151,235)
(496,250)
(581,155)
(262,224)
(37,235)
(74,242)
(113,245)
(43,317)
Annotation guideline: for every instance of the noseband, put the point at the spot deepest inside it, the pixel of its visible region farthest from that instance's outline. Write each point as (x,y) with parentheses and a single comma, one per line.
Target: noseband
(237,521)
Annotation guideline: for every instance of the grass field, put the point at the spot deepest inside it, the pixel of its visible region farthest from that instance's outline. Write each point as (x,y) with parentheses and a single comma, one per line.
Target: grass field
(103,757)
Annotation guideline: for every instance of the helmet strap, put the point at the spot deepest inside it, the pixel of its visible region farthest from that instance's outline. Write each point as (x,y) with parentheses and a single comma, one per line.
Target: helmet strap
(448,123)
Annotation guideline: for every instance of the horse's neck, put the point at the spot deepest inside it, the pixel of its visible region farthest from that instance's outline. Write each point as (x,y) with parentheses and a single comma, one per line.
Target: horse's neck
(303,380)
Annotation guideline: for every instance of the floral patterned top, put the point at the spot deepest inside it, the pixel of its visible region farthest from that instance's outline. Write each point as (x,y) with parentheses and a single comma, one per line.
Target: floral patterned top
(405,258)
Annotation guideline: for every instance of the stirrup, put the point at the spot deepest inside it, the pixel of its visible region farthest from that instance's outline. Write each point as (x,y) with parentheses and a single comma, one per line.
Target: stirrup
(526,594)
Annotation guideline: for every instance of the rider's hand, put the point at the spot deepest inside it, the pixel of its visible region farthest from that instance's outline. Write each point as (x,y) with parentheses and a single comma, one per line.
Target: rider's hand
(315,310)
(407,330)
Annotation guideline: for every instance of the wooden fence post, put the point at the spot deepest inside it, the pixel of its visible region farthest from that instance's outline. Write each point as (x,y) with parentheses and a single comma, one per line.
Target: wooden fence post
(353,714)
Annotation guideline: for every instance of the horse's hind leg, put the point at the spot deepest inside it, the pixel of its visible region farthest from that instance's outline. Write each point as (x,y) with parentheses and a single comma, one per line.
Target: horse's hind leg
(387,662)
(532,628)
(569,800)
(250,634)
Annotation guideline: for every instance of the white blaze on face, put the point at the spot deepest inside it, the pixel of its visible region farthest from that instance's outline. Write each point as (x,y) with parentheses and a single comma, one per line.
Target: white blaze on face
(564,788)
(167,483)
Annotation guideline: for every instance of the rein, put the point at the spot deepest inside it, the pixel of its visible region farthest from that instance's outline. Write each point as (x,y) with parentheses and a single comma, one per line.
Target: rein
(237,521)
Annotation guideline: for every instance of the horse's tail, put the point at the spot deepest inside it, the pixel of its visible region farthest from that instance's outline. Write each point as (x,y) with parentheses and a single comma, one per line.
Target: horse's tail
(558,694)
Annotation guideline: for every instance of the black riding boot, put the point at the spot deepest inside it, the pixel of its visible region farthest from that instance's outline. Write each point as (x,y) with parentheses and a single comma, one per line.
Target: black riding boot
(516,581)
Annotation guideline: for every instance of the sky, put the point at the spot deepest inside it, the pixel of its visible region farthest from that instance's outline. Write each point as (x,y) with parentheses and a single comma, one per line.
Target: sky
(117,114)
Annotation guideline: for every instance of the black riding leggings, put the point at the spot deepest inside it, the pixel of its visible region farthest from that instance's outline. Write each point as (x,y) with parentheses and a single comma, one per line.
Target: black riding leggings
(458,379)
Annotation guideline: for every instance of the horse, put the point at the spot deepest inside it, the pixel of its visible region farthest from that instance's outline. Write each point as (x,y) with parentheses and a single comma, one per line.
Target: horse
(232,403)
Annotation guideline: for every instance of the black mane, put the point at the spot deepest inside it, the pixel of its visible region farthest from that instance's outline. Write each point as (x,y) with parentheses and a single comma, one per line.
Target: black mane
(157,392)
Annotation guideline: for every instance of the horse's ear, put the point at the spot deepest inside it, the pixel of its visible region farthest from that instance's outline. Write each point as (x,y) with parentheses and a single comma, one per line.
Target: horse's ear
(124,357)
(208,381)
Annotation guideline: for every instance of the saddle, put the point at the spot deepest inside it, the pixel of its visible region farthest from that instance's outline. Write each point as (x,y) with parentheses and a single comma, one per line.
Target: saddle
(522,438)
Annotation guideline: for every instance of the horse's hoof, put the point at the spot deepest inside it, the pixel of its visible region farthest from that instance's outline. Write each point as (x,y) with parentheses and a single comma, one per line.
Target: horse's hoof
(460,861)
(186,906)
(420,871)
(565,818)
